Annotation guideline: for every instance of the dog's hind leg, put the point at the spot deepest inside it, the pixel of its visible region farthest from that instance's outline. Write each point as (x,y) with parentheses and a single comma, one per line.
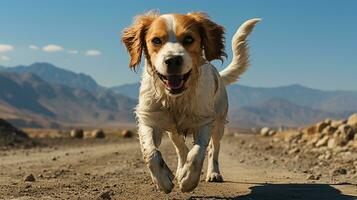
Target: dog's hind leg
(213,173)
(181,149)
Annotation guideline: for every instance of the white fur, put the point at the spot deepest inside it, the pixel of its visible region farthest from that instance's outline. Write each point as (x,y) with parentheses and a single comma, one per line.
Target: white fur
(200,110)
(240,61)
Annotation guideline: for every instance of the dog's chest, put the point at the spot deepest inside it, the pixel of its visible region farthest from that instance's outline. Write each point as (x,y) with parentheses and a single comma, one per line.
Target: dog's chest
(190,112)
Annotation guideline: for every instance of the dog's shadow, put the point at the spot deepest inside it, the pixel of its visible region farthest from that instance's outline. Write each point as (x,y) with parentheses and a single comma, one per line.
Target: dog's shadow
(288,192)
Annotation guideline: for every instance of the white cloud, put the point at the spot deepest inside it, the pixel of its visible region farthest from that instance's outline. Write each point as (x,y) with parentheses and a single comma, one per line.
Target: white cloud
(5,58)
(72,51)
(52,48)
(93,52)
(6,47)
(33,47)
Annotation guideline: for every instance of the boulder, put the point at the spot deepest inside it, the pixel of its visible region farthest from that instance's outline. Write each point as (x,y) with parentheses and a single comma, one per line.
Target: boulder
(334,142)
(265,131)
(328,121)
(345,133)
(352,121)
(311,130)
(337,123)
(323,141)
(328,130)
(98,133)
(126,133)
(320,126)
(292,135)
(271,133)
(77,133)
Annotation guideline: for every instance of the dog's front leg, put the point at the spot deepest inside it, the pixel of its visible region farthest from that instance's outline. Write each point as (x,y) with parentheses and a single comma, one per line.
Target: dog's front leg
(150,140)
(189,175)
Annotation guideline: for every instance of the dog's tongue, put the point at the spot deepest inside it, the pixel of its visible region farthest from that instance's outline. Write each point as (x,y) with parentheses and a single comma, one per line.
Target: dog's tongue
(174,82)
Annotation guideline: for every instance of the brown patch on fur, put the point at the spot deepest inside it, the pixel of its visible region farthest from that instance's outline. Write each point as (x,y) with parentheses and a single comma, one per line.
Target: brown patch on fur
(212,36)
(134,37)
(157,29)
(188,26)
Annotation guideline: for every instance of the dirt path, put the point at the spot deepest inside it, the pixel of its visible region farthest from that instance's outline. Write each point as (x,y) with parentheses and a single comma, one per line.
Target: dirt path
(89,169)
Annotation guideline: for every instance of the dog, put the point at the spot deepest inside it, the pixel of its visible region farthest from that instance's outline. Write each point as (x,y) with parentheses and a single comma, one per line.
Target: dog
(181,92)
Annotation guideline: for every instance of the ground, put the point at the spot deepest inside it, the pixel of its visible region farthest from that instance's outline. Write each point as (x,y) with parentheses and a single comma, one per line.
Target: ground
(112,168)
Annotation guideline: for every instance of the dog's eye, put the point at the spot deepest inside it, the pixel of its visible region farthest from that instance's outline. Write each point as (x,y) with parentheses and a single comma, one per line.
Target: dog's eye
(188,40)
(156,41)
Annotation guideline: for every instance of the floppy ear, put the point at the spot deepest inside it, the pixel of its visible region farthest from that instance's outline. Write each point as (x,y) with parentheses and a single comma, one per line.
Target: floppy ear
(134,37)
(212,36)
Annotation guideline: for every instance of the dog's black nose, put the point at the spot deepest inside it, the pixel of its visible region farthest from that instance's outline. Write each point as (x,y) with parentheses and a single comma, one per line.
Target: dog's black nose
(173,64)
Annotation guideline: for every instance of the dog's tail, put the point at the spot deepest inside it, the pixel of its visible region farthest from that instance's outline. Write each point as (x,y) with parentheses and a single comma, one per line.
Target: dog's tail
(240,60)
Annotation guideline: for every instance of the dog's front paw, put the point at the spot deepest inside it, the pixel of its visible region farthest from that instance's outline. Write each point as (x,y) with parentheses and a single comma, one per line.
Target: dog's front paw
(189,176)
(160,173)
(214,177)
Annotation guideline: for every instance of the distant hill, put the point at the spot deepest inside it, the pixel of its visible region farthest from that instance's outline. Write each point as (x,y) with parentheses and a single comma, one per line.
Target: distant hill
(130,90)
(28,100)
(53,74)
(278,112)
(330,101)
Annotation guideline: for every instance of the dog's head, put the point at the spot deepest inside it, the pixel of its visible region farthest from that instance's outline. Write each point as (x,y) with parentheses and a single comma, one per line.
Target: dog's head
(175,46)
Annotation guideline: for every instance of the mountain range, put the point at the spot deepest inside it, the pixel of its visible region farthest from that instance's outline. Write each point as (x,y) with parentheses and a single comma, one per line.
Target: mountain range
(27,100)
(42,92)
(53,74)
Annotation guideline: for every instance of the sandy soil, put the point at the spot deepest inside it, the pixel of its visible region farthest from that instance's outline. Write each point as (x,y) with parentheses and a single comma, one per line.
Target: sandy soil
(113,169)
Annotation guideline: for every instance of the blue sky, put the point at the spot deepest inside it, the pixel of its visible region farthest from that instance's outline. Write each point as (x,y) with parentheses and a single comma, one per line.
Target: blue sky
(313,43)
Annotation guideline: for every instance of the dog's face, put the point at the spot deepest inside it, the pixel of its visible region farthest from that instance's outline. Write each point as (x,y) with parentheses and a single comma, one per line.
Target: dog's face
(174,45)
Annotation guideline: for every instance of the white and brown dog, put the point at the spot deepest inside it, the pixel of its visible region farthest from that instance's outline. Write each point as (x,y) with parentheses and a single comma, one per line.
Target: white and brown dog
(181,92)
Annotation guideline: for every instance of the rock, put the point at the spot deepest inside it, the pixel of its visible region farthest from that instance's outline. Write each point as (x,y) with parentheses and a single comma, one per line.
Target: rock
(332,143)
(30,178)
(313,177)
(352,121)
(265,131)
(292,135)
(271,133)
(127,133)
(311,130)
(328,130)
(320,126)
(77,133)
(322,142)
(328,121)
(339,171)
(107,195)
(345,133)
(353,143)
(338,123)
(98,133)
(293,151)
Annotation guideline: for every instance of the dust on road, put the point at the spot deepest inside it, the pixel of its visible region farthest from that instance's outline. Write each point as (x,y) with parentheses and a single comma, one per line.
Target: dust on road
(113,169)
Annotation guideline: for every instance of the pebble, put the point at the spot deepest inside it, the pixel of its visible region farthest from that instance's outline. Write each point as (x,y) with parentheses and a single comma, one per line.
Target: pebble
(339,171)
(107,195)
(30,178)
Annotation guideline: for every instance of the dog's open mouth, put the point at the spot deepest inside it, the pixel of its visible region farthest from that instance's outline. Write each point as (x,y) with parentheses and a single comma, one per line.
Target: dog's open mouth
(175,84)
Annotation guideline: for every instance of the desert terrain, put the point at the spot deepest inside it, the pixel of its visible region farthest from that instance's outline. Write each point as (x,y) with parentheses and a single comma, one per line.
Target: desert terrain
(57,166)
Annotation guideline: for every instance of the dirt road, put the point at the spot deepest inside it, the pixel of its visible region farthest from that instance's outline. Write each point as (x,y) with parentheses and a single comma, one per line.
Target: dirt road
(113,169)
